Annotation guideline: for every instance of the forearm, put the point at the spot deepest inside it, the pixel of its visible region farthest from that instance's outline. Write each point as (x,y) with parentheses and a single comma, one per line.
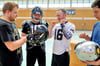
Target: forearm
(68,32)
(50,32)
(13,45)
(93,62)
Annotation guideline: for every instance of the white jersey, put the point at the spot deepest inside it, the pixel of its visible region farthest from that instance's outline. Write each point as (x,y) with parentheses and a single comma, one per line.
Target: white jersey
(61,43)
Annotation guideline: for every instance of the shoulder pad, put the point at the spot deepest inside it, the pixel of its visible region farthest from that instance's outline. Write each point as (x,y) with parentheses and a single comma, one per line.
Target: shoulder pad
(26,22)
(45,23)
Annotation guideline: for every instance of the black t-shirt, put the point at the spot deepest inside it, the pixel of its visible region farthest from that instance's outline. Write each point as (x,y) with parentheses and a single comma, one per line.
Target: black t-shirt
(8,32)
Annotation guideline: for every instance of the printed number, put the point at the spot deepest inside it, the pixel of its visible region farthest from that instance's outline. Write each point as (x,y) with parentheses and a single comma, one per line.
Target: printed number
(58,34)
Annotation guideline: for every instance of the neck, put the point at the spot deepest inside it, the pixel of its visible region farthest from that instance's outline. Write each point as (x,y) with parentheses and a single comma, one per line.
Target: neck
(35,22)
(5,18)
(63,21)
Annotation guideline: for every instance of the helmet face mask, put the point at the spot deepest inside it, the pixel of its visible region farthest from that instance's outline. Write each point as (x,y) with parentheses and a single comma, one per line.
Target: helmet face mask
(36,17)
(37,14)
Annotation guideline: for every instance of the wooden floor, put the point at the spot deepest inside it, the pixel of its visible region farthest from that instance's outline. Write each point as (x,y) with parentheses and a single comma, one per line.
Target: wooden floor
(74,61)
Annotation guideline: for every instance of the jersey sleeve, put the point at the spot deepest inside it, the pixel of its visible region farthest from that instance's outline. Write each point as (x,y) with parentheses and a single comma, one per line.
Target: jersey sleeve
(68,30)
(6,34)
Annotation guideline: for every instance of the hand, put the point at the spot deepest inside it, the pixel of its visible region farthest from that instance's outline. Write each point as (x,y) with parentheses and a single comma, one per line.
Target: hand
(62,25)
(30,36)
(33,37)
(85,36)
(63,21)
(92,62)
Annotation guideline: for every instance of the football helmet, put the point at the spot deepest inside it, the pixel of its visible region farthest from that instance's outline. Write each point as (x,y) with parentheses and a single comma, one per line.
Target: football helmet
(42,31)
(37,11)
(87,51)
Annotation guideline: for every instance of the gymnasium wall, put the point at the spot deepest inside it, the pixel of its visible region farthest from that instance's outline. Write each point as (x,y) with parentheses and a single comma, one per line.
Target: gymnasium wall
(83,18)
(79,19)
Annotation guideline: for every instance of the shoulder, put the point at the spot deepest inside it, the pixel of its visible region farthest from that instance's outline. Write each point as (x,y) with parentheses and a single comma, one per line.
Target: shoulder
(70,24)
(97,23)
(57,25)
(3,23)
(26,22)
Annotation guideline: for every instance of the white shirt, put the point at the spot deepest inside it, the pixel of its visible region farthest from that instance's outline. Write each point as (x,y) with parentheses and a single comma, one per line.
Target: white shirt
(61,44)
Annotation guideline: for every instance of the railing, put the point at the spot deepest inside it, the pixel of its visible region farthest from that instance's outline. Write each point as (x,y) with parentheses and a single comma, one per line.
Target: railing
(50,3)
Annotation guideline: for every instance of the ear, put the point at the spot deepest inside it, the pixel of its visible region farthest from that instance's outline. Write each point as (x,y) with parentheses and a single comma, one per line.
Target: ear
(7,11)
(65,15)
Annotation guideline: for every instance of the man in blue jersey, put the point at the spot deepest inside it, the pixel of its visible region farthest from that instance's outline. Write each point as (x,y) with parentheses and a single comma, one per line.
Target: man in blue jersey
(96,31)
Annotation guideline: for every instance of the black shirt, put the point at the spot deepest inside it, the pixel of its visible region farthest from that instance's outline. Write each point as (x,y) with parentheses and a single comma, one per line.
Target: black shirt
(8,32)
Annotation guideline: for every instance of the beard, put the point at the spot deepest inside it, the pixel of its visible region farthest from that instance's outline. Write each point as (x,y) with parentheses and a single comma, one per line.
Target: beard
(12,19)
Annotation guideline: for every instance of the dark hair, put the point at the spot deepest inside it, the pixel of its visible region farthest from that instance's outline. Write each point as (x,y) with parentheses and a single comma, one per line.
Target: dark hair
(63,10)
(96,3)
(9,6)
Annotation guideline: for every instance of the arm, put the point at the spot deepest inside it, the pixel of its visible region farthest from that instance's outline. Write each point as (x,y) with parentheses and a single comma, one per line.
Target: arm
(85,36)
(68,30)
(50,32)
(13,45)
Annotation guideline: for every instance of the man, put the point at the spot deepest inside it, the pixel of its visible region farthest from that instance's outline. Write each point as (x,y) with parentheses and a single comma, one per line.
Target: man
(62,33)
(10,42)
(36,47)
(96,31)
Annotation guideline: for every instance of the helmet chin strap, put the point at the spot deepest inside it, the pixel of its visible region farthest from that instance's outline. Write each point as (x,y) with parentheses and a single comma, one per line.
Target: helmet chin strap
(36,20)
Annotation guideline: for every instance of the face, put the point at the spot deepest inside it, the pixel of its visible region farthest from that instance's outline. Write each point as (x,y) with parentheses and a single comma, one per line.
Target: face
(13,14)
(60,15)
(96,12)
(36,18)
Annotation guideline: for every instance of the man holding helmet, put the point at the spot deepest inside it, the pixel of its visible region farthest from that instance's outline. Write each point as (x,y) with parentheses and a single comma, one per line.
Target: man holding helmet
(96,31)
(36,45)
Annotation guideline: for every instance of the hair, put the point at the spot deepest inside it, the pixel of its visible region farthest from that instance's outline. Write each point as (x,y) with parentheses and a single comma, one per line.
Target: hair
(63,10)
(96,3)
(9,6)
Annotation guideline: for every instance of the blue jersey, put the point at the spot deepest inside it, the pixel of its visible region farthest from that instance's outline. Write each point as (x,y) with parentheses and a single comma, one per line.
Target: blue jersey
(96,33)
